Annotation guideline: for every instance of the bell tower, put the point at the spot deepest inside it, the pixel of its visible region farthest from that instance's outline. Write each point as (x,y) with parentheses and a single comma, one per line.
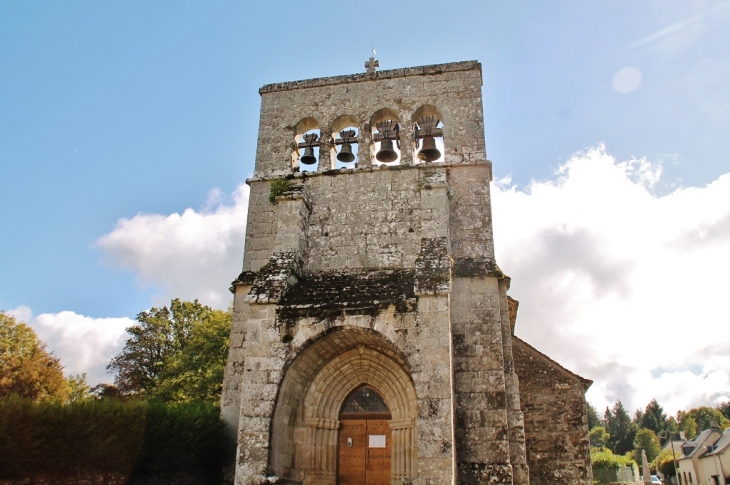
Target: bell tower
(371,321)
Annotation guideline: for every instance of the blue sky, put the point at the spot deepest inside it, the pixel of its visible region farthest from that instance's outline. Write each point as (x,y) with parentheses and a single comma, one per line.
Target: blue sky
(112,110)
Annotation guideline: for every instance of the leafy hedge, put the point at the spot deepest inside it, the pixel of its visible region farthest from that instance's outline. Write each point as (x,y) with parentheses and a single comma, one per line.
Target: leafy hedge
(603,458)
(137,439)
(608,467)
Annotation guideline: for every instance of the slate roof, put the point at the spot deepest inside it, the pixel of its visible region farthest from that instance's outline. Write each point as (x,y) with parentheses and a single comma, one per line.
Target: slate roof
(699,444)
(573,375)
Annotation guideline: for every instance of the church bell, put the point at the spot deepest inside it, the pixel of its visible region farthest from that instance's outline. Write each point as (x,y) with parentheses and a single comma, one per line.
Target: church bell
(308,158)
(386,153)
(345,155)
(429,152)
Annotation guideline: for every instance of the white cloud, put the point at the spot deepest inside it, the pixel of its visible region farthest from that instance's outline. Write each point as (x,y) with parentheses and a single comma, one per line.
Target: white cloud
(621,285)
(617,283)
(22,313)
(193,255)
(83,344)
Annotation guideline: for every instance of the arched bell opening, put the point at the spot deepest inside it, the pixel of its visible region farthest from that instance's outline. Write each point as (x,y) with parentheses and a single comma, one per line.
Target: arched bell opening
(428,135)
(305,155)
(386,136)
(344,150)
(306,428)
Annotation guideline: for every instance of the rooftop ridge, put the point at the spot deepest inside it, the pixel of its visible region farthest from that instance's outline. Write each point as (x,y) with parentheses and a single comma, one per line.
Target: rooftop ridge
(572,374)
(373,76)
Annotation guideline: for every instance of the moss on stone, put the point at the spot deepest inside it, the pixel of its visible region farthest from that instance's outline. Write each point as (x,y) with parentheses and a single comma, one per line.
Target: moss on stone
(278,187)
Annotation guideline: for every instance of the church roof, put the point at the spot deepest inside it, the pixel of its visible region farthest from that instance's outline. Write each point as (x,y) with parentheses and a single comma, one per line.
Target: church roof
(586,382)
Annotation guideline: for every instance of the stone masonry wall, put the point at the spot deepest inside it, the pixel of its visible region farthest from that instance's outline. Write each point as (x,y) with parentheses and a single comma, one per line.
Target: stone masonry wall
(421,336)
(376,217)
(556,426)
(364,220)
(430,222)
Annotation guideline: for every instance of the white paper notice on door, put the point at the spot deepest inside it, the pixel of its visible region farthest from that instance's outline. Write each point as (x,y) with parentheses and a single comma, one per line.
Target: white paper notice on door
(376,441)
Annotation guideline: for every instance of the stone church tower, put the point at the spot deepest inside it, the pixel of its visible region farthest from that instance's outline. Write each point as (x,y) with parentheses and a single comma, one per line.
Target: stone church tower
(372,333)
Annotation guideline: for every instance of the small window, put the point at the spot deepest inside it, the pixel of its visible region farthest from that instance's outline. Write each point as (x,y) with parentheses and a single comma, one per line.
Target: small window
(365,400)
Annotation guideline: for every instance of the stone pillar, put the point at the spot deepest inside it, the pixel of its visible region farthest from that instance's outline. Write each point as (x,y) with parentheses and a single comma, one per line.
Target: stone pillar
(432,375)
(407,154)
(404,449)
(263,351)
(231,395)
(364,144)
(434,193)
(482,435)
(515,418)
(325,155)
(292,214)
(262,371)
(480,388)
(322,442)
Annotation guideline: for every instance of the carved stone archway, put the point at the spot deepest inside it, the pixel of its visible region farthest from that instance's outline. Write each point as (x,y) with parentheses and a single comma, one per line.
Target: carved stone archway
(314,389)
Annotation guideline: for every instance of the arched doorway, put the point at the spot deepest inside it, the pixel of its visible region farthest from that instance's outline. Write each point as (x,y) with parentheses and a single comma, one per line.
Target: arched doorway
(305,431)
(365,442)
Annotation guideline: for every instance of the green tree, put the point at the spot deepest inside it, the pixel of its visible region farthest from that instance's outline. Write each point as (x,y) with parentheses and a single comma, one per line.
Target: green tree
(665,462)
(26,367)
(105,392)
(648,441)
(593,418)
(638,416)
(619,426)
(176,354)
(724,408)
(628,441)
(687,424)
(672,426)
(703,415)
(598,436)
(654,418)
(196,372)
(78,389)
(607,417)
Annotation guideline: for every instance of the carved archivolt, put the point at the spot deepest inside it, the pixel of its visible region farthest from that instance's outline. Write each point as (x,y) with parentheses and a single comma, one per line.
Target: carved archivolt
(328,391)
(349,370)
(314,459)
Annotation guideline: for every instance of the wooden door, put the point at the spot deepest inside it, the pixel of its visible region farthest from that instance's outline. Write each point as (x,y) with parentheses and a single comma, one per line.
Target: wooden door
(352,451)
(364,452)
(377,468)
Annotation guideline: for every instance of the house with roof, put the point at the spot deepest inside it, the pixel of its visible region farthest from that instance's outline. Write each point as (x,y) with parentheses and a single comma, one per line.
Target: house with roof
(691,471)
(715,462)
